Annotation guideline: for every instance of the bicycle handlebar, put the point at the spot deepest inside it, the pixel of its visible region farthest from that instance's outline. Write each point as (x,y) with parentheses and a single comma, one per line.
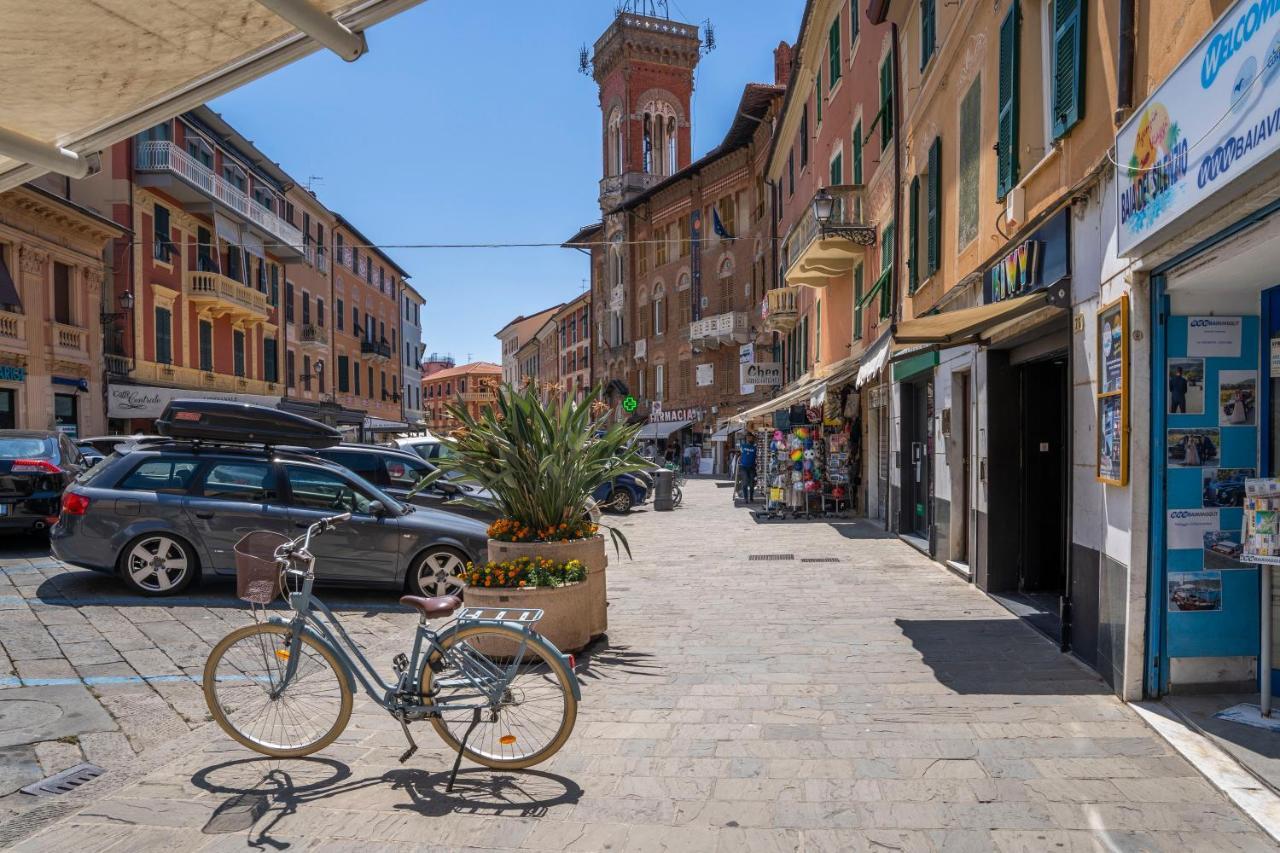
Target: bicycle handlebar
(300,547)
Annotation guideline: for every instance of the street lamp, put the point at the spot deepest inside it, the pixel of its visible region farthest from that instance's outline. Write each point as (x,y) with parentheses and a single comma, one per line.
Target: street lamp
(823,206)
(126,304)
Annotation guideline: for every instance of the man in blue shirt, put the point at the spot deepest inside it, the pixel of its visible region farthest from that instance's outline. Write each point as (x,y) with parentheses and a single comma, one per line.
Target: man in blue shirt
(747,468)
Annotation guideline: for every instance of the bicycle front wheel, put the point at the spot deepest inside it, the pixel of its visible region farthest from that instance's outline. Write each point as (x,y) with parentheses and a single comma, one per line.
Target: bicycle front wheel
(242,681)
(534,711)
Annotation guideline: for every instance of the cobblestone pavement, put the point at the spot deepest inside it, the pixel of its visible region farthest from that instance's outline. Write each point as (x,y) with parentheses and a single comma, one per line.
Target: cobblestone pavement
(763,687)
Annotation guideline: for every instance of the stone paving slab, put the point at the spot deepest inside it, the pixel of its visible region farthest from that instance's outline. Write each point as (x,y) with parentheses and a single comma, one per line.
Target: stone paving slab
(873,703)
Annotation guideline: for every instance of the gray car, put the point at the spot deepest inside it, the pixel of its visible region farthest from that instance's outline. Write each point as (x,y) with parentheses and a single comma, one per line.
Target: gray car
(167,512)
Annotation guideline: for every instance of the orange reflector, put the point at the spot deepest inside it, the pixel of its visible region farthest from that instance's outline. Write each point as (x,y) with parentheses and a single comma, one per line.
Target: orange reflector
(507,740)
(573,663)
(283,654)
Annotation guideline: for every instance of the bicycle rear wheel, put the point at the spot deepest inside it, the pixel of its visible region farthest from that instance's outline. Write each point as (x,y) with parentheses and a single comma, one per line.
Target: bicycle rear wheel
(535,713)
(246,668)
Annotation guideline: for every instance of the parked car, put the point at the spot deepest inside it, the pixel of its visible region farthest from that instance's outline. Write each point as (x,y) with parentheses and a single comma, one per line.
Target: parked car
(90,453)
(164,513)
(106,444)
(427,446)
(624,492)
(35,467)
(397,472)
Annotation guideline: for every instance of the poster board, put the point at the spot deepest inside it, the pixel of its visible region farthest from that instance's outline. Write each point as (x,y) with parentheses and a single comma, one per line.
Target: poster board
(1113,393)
(1261,536)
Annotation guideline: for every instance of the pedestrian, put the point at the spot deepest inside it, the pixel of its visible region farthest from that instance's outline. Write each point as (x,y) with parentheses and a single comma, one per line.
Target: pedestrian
(686,458)
(670,455)
(1177,392)
(747,468)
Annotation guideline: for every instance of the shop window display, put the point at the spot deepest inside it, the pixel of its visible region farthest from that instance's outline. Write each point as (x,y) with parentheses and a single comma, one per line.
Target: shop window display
(812,459)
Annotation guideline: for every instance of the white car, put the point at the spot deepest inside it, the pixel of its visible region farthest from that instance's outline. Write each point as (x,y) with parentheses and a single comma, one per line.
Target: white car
(427,446)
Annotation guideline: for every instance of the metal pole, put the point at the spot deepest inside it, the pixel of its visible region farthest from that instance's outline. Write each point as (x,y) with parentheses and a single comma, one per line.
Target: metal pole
(320,27)
(1264,659)
(48,156)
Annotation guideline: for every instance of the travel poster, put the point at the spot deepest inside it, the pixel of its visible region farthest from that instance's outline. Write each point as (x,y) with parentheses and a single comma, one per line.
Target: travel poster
(1195,592)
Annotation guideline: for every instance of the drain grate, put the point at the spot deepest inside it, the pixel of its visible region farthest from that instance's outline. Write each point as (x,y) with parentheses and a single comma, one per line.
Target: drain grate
(66,781)
(819,559)
(759,558)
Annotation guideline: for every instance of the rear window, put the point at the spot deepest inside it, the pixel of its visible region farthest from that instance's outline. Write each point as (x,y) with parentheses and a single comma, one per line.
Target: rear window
(405,473)
(364,464)
(29,448)
(167,476)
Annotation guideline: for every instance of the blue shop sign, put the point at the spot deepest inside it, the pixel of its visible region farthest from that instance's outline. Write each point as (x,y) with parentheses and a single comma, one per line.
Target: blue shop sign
(12,373)
(1040,261)
(73,381)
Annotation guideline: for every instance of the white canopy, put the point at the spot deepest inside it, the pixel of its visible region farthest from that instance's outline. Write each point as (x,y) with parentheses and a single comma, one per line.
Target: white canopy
(81,75)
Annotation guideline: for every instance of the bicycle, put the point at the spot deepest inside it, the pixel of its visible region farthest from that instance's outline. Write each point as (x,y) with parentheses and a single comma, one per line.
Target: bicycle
(677,482)
(284,687)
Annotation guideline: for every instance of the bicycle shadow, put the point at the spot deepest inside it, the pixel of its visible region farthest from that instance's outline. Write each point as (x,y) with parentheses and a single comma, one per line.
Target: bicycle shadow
(274,790)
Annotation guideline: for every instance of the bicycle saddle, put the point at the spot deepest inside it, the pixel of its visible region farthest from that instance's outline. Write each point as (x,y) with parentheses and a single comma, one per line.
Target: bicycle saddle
(432,608)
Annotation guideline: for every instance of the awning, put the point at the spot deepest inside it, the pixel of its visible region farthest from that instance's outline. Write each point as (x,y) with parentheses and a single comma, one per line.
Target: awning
(784,400)
(8,290)
(966,325)
(661,430)
(150,62)
(382,425)
(722,434)
(874,360)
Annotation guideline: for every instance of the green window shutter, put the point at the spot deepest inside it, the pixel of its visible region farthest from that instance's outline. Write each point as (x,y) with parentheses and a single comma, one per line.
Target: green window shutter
(913,241)
(857,153)
(928,31)
(1068,64)
(857,301)
(837,170)
(833,50)
(344,383)
(818,95)
(886,103)
(1007,99)
(934,213)
(853,24)
(886,285)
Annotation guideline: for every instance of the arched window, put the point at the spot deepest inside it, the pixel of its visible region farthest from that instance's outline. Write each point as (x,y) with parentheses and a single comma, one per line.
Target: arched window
(614,143)
(659,310)
(648,144)
(659,138)
(671,146)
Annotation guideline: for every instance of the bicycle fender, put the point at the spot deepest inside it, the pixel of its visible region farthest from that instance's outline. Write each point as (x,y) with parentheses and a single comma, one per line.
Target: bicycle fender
(534,639)
(286,623)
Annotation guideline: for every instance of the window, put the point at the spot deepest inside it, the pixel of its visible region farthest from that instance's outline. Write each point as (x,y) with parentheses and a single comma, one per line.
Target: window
(206,345)
(817,330)
(369,387)
(288,302)
(159,133)
(837,169)
(933,210)
(328,491)
(161,236)
(928,31)
(235,176)
(262,276)
(270,360)
(237,350)
(970,164)
(659,381)
(885,285)
(306,308)
(684,379)
(338,249)
(365,464)
(164,336)
(275,285)
(306,373)
(804,137)
(913,235)
(857,303)
(62,293)
(165,476)
(319,312)
(355,377)
(791,175)
(355,321)
(204,250)
(853,24)
(856,157)
(1007,106)
(686,311)
(355,259)
(1068,65)
(344,381)
(200,151)
(338,317)
(289,377)
(817,95)
(833,51)
(252,482)
(886,103)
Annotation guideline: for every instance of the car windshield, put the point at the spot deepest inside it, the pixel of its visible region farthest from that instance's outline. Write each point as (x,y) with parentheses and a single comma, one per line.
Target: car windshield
(28,448)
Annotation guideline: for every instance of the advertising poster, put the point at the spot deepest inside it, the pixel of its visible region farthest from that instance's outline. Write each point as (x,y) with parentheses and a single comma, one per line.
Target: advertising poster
(1111,344)
(1186,386)
(1187,527)
(1193,448)
(1224,487)
(1261,516)
(1223,550)
(1195,592)
(746,355)
(1217,337)
(1110,439)
(1237,397)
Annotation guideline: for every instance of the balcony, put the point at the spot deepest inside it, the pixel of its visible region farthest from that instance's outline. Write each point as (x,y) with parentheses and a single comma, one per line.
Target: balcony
(69,341)
(818,251)
(191,378)
(221,296)
(199,184)
(616,189)
(642,348)
(781,309)
(711,332)
(377,349)
(13,330)
(314,339)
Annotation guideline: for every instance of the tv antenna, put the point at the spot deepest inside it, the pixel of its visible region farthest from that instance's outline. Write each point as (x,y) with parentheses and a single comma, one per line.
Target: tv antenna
(584,61)
(313,179)
(649,8)
(709,36)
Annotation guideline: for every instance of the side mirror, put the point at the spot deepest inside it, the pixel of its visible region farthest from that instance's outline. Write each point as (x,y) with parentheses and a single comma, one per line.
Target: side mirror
(377,509)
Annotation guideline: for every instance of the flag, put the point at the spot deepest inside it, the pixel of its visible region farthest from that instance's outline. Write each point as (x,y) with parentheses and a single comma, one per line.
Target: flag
(720,230)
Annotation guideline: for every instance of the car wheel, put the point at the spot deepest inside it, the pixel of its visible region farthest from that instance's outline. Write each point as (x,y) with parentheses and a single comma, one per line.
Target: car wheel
(439,571)
(621,501)
(158,564)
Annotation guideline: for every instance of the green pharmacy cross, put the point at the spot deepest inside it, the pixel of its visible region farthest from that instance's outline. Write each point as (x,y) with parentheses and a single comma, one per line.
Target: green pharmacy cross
(629,403)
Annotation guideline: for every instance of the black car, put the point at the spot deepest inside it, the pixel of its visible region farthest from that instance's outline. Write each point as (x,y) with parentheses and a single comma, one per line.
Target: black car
(35,467)
(397,472)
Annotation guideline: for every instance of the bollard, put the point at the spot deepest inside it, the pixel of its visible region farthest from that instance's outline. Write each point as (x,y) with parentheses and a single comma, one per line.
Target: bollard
(662,501)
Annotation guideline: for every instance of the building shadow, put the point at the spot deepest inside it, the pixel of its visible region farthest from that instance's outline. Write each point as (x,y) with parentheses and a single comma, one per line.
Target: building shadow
(997,656)
(860,529)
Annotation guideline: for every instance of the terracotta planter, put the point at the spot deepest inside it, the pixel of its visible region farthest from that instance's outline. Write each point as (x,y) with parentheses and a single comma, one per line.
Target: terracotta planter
(565,611)
(589,552)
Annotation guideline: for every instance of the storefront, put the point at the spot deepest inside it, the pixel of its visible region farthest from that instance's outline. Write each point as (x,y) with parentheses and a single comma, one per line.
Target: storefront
(67,391)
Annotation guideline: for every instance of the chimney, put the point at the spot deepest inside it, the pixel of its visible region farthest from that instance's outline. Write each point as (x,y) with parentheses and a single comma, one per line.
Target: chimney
(782,60)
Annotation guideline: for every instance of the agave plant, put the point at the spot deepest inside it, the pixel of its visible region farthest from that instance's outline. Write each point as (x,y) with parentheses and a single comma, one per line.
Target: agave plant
(541,462)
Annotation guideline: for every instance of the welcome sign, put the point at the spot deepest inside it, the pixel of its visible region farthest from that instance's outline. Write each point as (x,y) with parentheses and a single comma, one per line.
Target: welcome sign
(1217,115)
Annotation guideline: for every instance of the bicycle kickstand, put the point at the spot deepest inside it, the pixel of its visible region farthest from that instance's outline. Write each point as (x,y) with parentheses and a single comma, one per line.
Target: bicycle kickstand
(457,762)
(413,746)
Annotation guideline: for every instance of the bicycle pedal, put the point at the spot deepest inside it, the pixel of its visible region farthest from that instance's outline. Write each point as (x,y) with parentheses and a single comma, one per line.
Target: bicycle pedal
(400,663)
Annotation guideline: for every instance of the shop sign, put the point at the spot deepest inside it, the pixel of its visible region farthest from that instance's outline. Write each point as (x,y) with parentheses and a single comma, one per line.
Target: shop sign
(746,355)
(12,373)
(762,373)
(704,374)
(145,401)
(1187,527)
(659,415)
(1215,117)
(1217,337)
(1040,261)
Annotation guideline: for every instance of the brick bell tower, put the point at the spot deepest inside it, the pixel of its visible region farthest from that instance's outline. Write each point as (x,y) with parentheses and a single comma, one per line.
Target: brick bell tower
(643,64)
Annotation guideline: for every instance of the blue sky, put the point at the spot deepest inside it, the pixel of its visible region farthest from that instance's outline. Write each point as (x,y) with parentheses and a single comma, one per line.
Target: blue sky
(468,122)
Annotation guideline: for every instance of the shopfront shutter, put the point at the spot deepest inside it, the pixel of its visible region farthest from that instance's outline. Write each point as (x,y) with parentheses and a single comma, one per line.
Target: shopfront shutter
(1068,64)
(934,214)
(1007,99)
(913,229)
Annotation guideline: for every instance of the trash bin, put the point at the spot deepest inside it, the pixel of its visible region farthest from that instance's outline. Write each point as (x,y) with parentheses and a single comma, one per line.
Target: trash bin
(662,491)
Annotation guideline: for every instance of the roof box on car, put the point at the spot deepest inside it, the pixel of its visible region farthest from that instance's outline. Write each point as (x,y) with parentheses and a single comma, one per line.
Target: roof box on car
(226,421)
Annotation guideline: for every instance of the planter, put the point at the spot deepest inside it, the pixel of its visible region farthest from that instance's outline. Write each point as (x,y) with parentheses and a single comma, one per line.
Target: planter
(565,610)
(589,552)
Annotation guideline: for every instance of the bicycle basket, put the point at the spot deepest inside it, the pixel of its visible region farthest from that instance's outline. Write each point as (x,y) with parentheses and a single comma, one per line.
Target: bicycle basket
(257,572)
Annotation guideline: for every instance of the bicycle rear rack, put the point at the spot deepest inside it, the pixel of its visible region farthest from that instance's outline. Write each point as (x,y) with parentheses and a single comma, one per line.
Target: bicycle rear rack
(524,616)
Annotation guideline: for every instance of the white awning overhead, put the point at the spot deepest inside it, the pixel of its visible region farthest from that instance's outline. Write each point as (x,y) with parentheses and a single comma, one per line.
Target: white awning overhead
(662,430)
(80,75)
(874,360)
